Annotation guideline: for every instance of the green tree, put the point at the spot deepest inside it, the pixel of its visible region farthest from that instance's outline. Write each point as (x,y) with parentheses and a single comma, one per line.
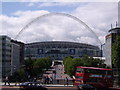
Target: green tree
(29,63)
(19,75)
(39,65)
(91,62)
(116,53)
(29,67)
(75,62)
(67,62)
(42,63)
(70,63)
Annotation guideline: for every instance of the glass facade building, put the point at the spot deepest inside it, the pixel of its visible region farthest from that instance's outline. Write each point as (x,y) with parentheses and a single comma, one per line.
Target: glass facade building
(58,50)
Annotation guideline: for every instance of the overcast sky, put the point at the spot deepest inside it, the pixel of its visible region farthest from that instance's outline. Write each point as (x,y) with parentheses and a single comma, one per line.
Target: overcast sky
(97,15)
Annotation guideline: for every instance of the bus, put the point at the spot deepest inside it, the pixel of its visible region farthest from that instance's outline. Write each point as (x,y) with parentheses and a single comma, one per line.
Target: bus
(96,77)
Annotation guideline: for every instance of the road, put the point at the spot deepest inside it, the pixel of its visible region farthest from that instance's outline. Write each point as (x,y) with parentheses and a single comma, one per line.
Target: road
(47,88)
(50,88)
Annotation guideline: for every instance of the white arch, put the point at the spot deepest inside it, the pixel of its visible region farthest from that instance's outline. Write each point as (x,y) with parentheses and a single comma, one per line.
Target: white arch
(61,14)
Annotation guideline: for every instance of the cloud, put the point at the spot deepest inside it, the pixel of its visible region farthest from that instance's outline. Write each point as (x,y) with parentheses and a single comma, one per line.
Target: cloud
(31,4)
(46,4)
(98,16)
(63,0)
(52,4)
(12,25)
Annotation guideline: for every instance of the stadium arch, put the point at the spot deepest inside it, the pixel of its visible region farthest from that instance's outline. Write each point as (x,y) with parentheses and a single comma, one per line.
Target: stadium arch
(59,14)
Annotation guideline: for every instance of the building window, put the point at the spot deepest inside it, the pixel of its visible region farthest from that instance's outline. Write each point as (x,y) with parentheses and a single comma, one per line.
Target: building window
(40,51)
(72,51)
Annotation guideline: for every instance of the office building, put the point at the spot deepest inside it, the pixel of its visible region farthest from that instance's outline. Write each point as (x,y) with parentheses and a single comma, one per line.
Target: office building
(5,43)
(10,55)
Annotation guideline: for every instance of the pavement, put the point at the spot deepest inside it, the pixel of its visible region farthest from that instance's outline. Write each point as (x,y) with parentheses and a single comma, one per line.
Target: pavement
(60,72)
(47,85)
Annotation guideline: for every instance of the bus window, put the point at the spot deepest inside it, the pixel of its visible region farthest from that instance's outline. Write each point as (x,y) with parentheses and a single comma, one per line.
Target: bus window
(79,70)
(94,71)
(94,80)
(109,72)
(79,77)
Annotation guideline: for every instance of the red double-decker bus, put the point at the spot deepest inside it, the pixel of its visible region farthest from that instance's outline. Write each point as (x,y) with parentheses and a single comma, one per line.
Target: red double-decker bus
(96,77)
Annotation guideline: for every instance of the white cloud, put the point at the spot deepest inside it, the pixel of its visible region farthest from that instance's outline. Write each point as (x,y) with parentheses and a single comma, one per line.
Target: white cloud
(99,16)
(46,4)
(12,25)
(31,4)
(60,0)
(51,4)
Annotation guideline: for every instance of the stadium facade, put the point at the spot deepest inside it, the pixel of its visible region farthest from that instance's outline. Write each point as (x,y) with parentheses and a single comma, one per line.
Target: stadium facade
(58,50)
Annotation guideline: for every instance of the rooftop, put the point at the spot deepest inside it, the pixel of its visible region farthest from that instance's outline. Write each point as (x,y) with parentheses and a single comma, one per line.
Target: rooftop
(114,29)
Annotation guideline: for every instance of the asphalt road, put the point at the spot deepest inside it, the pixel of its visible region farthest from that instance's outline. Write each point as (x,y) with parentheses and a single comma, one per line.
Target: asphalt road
(50,88)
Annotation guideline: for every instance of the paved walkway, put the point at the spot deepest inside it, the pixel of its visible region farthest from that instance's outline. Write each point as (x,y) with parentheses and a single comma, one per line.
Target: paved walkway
(48,85)
(60,72)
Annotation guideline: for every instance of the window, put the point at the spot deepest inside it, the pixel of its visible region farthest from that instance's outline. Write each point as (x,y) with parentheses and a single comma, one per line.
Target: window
(79,70)
(95,80)
(95,71)
(40,51)
(72,51)
(79,77)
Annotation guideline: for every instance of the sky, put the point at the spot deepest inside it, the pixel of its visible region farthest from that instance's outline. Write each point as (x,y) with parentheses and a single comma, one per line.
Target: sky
(98,16)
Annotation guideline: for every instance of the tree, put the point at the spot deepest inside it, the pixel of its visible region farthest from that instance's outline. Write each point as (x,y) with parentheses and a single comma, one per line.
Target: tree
(42,63)
(34,67)
(91,62)
(19,75)
(67,62)
(29,67)
(70,63)
(116,53)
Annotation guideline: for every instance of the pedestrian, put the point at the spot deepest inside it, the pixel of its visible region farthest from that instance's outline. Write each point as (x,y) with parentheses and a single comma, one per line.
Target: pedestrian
(47,79)
(67,81)
(29,78)
(7,80)
(57,81)
(17,80)
(43,80)
(73,80)
(34,79)
(51,80)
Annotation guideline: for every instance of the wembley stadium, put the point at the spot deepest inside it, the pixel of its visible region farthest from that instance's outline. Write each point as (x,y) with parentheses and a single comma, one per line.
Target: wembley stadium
(58,50)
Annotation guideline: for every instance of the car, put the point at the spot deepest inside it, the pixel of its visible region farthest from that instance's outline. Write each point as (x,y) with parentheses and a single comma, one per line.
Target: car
(32,86)
(85,87)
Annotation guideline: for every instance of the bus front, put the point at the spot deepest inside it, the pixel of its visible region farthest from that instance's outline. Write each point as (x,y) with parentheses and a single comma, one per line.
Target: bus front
(79,74)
